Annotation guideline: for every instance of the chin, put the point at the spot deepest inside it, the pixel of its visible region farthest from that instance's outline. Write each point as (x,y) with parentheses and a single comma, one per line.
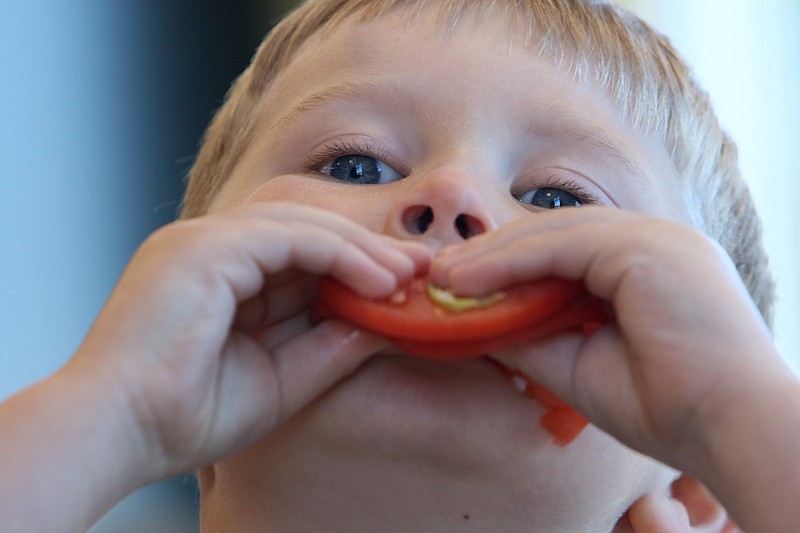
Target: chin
(456,416)
(404,437)
(398,402)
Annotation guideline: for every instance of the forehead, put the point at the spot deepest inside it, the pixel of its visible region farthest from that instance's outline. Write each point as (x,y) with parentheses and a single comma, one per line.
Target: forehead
(399,53)
(380,46)
(571,35)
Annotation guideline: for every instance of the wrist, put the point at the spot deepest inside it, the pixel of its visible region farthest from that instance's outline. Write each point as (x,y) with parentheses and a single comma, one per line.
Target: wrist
(69,452)
(108,422)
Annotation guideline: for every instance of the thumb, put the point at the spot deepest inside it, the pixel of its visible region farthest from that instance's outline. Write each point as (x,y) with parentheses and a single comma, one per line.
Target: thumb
(588,373)
(309,364)
(256,391)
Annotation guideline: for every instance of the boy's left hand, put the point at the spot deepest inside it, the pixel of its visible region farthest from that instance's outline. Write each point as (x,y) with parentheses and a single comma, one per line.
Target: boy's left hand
(688,341)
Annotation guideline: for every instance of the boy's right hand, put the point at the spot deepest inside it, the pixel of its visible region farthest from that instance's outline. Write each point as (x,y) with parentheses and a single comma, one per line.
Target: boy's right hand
(206,333)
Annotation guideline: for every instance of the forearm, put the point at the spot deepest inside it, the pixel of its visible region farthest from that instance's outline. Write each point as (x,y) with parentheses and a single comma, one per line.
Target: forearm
(69,451)
(749,458)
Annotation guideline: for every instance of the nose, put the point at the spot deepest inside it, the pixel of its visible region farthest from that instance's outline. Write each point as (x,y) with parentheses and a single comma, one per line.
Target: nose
(444,207)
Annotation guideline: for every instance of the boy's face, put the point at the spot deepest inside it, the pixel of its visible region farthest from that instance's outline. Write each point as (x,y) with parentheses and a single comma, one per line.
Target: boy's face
(475,130)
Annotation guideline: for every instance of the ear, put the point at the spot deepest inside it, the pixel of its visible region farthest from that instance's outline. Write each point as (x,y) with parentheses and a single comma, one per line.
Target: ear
(685,506)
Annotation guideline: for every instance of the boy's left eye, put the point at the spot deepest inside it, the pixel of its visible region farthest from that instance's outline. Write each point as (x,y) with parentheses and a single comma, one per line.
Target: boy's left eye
(360,169)
(550,198)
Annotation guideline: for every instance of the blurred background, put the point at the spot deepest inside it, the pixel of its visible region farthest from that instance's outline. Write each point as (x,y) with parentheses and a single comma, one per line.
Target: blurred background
(103,105)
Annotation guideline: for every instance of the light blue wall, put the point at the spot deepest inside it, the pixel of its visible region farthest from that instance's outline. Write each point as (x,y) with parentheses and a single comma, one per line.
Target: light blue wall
(80,181)
(88,167)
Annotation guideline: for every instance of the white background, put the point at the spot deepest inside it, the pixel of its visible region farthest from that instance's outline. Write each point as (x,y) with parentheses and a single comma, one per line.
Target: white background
(747,55)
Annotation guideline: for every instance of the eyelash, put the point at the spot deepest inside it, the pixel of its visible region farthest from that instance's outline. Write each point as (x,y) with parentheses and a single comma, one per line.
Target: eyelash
(328,152)
(570,186)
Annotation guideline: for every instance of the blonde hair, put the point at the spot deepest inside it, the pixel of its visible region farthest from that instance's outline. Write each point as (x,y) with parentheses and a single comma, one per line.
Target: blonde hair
(598,43)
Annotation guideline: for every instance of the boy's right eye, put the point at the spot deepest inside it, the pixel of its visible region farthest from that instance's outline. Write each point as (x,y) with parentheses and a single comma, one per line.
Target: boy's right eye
(360,169)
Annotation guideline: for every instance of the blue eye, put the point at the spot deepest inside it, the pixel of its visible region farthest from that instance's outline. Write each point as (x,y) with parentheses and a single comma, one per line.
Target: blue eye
(361,169)
(550,198)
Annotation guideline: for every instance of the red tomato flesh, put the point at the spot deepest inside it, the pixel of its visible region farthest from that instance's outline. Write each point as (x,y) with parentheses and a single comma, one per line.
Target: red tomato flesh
(414,323)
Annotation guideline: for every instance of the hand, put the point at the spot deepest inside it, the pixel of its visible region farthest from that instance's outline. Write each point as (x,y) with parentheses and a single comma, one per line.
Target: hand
(687,342)
(206,332)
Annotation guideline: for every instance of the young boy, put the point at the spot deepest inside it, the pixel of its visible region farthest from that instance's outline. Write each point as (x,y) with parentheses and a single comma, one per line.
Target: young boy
(372,140)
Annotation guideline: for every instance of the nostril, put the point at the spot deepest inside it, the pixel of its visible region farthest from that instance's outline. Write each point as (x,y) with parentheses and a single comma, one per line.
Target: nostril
(425,220)
(417,219)
(468,226)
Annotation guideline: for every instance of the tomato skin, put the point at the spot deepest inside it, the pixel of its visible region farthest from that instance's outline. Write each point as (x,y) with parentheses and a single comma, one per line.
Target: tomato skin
(413,323)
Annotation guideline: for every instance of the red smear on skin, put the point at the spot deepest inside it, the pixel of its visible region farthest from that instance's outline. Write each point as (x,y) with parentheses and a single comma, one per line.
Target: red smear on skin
(563,424)
(562,421)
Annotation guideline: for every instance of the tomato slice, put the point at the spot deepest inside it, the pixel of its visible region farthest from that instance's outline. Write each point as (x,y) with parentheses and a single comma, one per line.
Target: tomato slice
(414,323)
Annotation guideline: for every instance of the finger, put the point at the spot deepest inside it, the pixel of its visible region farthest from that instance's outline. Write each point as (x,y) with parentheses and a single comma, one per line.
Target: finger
(280,298)
(309,364)
(564,252)
(613,388)
(590,374)
(550,221)
(254,391)
(605,387)
(275,334)
(240,258)
(601,251)
(393,253)
(246,253)
(550,362)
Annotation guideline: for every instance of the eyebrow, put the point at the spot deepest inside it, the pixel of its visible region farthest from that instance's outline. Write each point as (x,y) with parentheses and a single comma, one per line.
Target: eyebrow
(598,140)
(556,122)
(366,91)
